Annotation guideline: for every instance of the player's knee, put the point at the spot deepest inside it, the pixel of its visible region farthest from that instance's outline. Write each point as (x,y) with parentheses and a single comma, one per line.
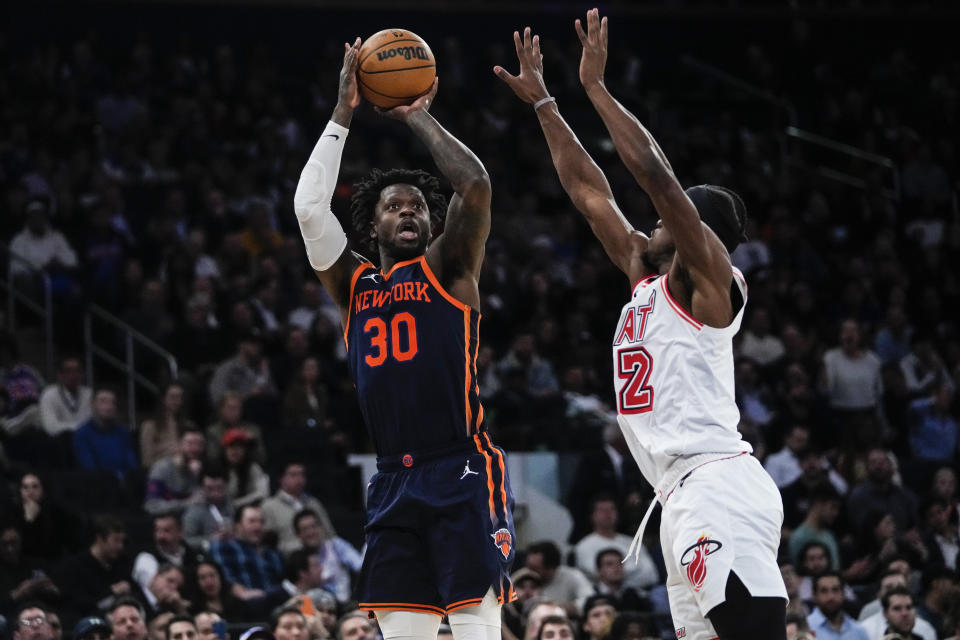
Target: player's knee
(407,625)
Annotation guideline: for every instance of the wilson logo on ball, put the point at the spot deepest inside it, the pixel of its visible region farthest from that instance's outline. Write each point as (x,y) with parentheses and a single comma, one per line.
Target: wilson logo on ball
(408,53)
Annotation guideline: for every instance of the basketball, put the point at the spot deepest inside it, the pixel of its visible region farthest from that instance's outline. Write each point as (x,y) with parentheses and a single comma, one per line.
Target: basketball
(396,66)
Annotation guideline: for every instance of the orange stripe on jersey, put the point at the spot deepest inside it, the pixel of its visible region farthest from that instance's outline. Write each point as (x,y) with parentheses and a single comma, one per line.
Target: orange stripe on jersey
(503,474)
(493,512)
(680,310)
(466,372)
(353,284)
(473,368)
(436,285)
(398,265)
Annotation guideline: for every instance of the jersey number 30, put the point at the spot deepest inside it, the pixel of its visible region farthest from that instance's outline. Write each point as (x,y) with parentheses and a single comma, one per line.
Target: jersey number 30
(634,365)
(401,350)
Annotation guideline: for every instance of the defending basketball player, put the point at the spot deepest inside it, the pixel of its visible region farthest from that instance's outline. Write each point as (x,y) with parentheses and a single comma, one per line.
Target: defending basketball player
(439,524)
(673,360)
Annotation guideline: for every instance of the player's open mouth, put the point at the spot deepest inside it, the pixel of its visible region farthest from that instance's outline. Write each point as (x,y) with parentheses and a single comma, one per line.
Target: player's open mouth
(407,231)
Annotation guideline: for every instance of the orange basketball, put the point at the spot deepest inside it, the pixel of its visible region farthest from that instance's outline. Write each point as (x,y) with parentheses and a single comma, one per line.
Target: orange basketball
(396,66)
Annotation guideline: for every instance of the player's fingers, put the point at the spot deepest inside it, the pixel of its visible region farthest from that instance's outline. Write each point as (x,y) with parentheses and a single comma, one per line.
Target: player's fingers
(536,45)
(593,22)
(526,37)
(517,44)
(603,30)
(580,32)
(504,75)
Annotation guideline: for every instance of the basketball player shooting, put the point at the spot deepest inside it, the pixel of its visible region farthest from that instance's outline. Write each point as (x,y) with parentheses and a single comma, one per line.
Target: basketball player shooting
(673,360)
(439,524)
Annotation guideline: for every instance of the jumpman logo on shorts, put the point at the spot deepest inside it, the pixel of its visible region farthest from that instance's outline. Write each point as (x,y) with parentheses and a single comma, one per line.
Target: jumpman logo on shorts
(467,471)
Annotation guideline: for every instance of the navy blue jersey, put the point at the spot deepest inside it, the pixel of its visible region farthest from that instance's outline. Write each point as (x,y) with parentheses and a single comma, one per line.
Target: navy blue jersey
(412,351)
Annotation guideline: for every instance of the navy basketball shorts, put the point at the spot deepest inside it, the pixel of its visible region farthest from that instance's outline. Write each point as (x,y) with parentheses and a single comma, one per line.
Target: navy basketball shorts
(439,530)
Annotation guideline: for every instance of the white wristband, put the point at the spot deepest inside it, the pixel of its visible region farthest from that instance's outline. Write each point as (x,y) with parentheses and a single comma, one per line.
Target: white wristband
(542,101)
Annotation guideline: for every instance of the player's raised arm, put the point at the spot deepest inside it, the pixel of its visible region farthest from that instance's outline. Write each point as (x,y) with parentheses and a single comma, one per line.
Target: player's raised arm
(701,255)
(579,175)
(467,226)
(324,238)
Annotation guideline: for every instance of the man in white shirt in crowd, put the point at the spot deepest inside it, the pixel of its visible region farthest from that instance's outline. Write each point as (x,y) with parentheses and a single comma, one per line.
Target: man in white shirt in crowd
(567,586)
(604,516)
(65,404)
(896,611)
(39,244)
(290,499)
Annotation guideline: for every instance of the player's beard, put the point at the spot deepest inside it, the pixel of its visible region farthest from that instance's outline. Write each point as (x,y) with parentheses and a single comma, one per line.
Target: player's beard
(399,252)
(654,260)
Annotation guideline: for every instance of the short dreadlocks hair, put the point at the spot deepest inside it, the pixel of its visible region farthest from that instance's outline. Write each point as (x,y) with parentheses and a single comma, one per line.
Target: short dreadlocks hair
(366,194)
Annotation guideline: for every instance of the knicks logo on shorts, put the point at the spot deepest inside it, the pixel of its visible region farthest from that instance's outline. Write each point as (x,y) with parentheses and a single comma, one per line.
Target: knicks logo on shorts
(694,558)
(503,541)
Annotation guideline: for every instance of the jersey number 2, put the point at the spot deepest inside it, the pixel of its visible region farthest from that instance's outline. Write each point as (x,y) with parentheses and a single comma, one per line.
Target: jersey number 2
(378,341)
(633,365)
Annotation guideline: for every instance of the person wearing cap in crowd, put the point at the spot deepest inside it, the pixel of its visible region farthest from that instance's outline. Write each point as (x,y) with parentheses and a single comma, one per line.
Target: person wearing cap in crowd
(250,567)
(32,623)
(229,416)
(247,482)
(290,499)
(599,612)
(527,586)
(92,628)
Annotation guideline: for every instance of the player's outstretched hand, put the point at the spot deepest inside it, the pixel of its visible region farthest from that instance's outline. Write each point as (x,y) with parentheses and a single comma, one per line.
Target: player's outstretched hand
(594,41)
(403,112)
(528,85)
(349,95)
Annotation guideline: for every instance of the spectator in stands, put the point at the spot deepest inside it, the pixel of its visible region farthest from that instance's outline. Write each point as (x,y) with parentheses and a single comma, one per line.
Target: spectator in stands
(923,369)
(174,480)
(879,493)
(940,533)
(290,499)
(159,435)
(338,558)
(250,567)
(791,580)
(247,373)
(567,586)
(53,619)
(20,579)
(305,403)
(540,609)
(631,625)
(211,518)
(311,303)
(168,548)
(48,531)
(934,434)
(95,577)
(815,471)
(899,618)
(893,339)
(247,482)
(557,628)
(939,593)
(102,443)
(163,592)
(526,584)
(181,627)
(355,625)
(818,525)
(20,386)
(91,628)
(829,621)
(289,623)
(157,627)
(230,416)
(197,341)
(210,591)
(65,405)
(151,317)
(850,378)
(206,621)
(611,581)
(784,465)
(540,380)
(32,624)
(39,244)
(599,612)
(758,343)
(127,619)
(604,517)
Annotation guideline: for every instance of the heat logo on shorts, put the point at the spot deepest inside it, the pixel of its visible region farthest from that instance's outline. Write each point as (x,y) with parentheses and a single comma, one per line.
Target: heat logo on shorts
(694,558)
(503,540)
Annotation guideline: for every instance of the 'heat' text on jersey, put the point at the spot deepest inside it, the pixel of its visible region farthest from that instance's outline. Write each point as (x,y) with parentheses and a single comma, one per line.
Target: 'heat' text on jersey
(397,293)
(634,322)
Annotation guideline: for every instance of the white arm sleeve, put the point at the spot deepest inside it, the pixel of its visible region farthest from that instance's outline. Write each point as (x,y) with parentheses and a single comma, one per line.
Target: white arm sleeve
(322,234)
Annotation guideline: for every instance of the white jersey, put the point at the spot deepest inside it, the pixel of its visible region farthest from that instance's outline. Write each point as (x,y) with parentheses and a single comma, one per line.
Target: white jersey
(674,381)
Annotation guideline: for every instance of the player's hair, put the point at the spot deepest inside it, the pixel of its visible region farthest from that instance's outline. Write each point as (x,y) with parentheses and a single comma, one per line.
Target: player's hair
(366,194)
(723,211)
(895,591)
(180,617)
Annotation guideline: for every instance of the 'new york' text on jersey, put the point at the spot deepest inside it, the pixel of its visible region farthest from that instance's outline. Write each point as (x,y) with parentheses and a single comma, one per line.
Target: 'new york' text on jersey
(412,351)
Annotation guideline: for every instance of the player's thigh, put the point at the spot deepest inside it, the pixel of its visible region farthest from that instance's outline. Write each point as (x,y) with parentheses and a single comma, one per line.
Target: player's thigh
(478,622)
(408,625)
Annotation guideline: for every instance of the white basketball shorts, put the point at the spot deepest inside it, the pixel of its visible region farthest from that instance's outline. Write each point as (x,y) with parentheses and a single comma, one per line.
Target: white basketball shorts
(725,516)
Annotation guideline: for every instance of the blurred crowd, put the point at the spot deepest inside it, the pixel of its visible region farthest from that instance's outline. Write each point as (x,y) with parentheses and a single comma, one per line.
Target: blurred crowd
(154,177)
